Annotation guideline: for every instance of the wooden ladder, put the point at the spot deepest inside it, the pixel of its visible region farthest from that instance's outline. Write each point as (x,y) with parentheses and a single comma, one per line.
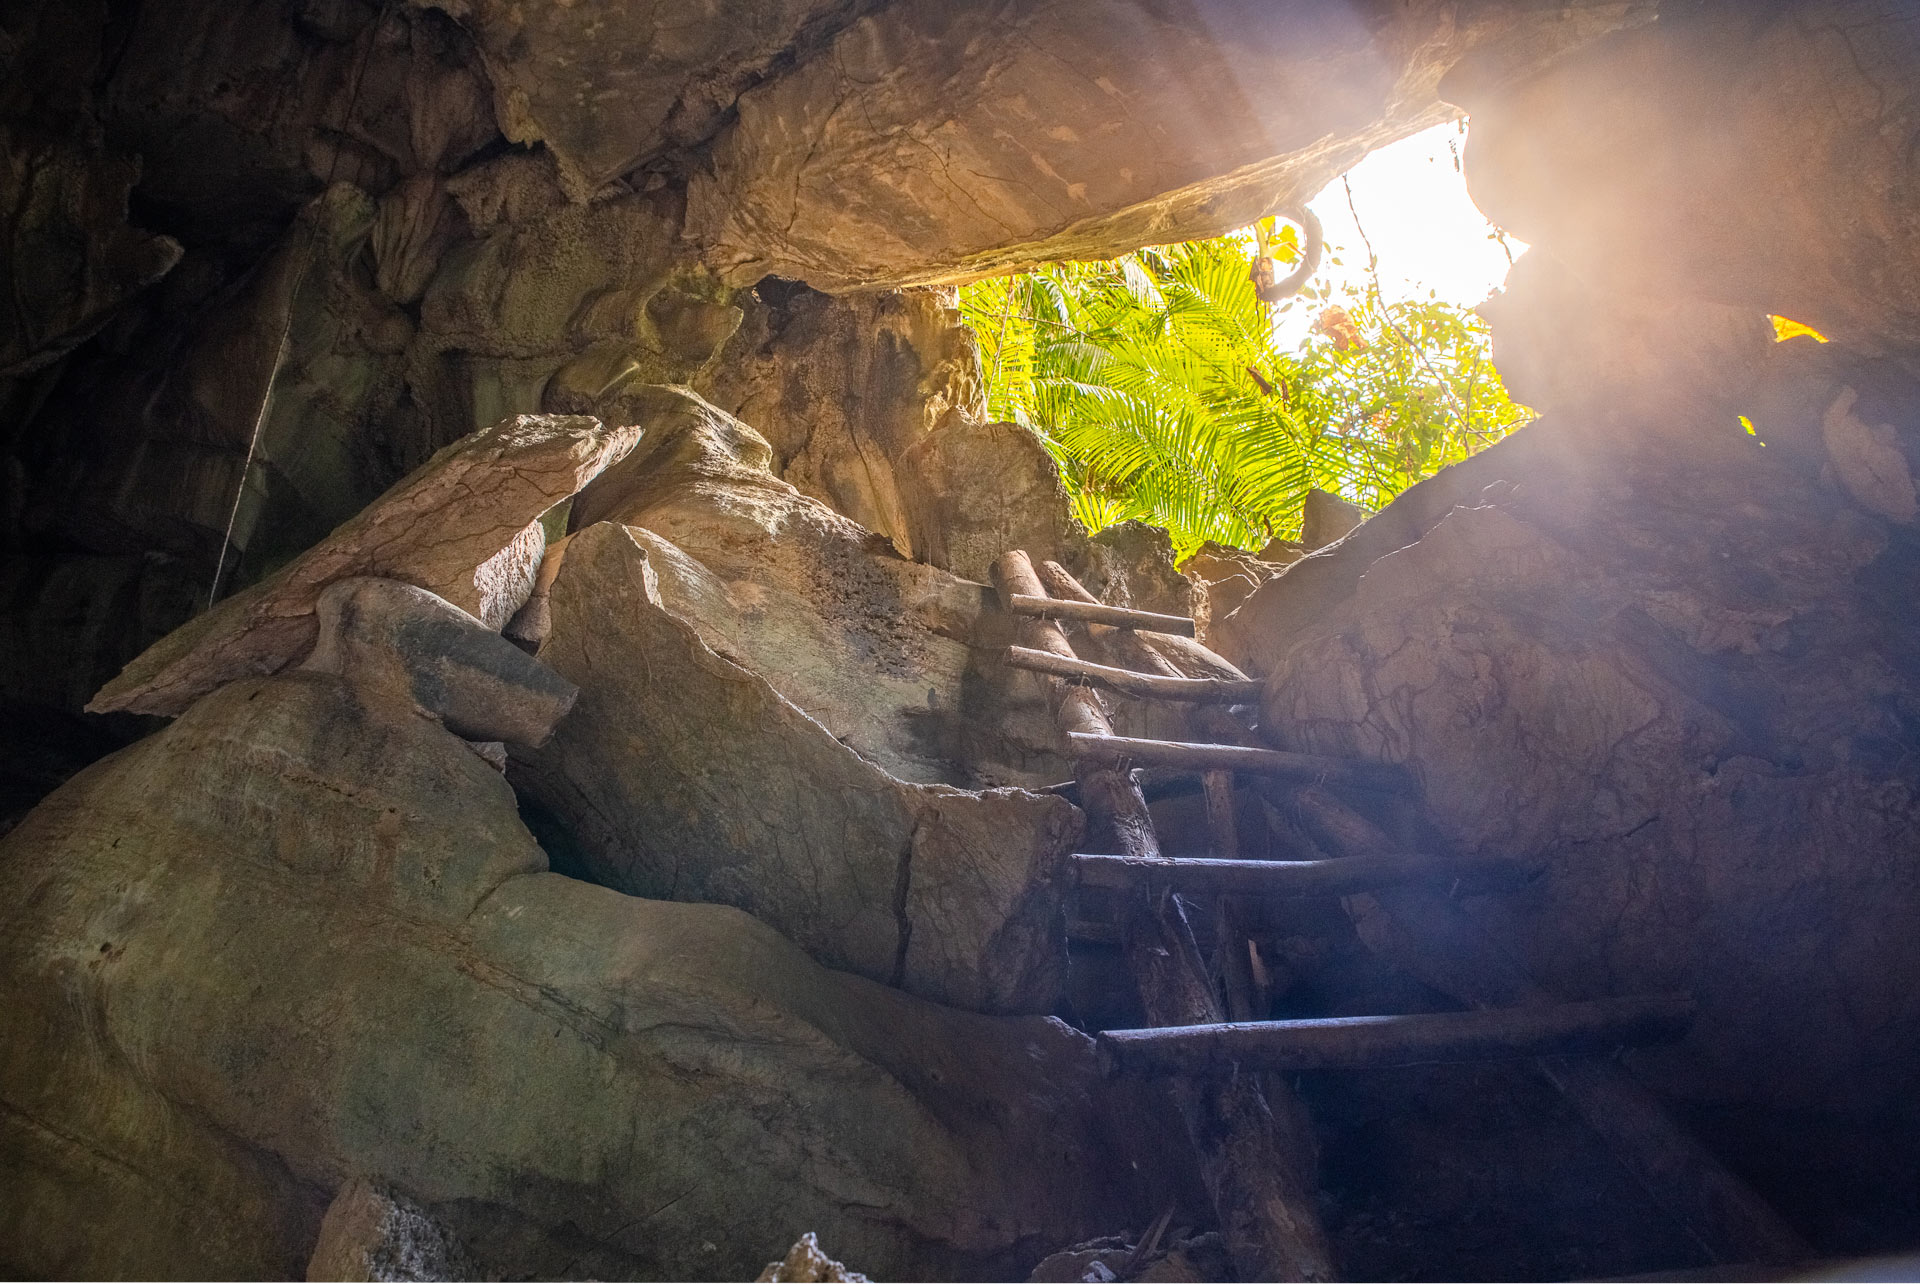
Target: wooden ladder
(1250,1134)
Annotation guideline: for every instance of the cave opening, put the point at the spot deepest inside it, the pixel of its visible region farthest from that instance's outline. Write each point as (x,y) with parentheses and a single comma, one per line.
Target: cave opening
(1171,386)
(606,826)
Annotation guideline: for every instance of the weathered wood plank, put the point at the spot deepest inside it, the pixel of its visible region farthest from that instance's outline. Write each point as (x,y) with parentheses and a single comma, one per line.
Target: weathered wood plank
(1141,685)
(1264,762)
(1120,617)
(1370,1042)
(1343,876)
(1173,654)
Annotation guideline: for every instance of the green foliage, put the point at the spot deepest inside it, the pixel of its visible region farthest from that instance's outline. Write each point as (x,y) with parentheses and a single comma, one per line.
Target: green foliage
(1155,382)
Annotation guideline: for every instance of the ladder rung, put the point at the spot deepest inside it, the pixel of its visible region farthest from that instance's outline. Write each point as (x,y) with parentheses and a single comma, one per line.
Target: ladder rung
(1086,932)
(1053,608)
(1264,762)
(1147,686)
(1342,876)
(1365,1042)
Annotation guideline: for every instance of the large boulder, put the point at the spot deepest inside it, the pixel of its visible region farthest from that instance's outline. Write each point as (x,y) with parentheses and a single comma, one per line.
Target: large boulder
(463,525)
(684,774)
(300,938)
(1663,674)
(775,707)
(890,655)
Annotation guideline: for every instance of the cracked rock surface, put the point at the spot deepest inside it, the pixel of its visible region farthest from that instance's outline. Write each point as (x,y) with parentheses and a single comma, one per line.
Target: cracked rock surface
(463,526)
(766,692)
(292,941)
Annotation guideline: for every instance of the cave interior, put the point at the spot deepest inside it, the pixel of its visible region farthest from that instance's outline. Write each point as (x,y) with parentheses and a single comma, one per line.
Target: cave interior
(508,761)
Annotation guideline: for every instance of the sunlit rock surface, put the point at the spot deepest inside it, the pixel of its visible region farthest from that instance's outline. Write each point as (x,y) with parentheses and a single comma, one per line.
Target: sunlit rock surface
(1805,102)
(1654,652)
(873,405)
(931,143)
(772,695)
(843,387)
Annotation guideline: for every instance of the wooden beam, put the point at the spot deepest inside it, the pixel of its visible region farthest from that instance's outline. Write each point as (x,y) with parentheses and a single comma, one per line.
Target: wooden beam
(1116,811)
(1343,876)
(1179,654)
(1042,607)
(1231,957)
(1369,1042)
(1429,936)
(1254,1161)
(1141,685)
(1262,762)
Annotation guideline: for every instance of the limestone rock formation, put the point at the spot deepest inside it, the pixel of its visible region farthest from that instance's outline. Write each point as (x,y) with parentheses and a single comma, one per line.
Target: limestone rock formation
(1228,577)
(930,143)
(244,113)
(875,647)
(296,939)
(448,230)
(462,526)
(807,1262)
(872,404)
(71,258)
(1869,461)
(289,987)
(373,1234)
(1325,517)
(844,387)
(1564,342)
(401,648)
(787,695)
(686,775)
(978,489)
(1803,100)
(1559,639)
(666,80)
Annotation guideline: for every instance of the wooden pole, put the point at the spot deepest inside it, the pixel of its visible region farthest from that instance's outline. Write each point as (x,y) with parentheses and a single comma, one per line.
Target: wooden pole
(1120,617)
(1230,948)
(1341,876)
(1429,936)
(1181,655)
(1261,762)
(1253,1165)
(1370,1042)
(1143,686)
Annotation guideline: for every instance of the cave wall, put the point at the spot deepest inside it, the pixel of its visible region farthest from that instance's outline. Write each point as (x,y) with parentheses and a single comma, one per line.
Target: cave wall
(264,259)
(1661,640)
(286,251)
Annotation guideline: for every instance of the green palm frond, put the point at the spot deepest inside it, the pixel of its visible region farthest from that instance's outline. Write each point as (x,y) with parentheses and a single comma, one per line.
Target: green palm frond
(1154,383)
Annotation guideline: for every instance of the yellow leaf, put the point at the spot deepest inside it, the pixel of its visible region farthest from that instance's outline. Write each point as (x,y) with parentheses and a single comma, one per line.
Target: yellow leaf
(1783,329)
